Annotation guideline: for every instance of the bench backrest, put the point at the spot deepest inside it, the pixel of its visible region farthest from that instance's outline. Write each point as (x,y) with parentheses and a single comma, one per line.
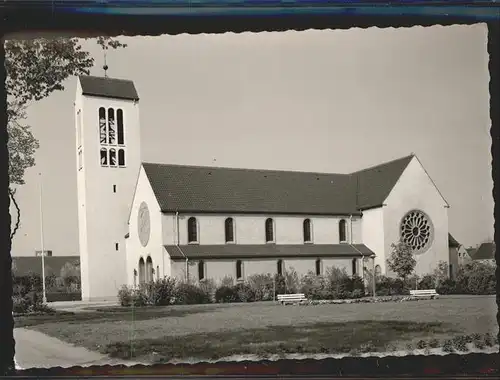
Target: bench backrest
(426,291)
(291,296)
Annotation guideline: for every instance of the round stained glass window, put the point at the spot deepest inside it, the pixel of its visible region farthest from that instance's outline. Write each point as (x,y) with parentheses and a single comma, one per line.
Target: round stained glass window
(416,231)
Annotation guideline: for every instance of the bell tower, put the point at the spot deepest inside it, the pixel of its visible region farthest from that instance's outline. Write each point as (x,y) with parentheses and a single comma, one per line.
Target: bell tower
(108,162)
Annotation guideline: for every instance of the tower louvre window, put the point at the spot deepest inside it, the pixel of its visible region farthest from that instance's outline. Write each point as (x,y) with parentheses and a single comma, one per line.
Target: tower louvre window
(121,157)
(102,125)
(104,157)
(120,131)
(112,157)
(79,128)
(111,126)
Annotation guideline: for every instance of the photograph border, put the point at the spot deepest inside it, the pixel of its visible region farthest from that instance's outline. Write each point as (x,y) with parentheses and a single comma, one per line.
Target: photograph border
(130,18)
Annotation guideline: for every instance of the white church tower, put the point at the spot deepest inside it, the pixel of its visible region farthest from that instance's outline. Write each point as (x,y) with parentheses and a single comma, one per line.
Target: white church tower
(108,162)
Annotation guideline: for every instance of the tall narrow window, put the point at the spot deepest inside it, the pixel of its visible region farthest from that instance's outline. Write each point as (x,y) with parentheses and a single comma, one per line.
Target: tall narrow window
(343,231)
(229,230)
(318,267)
(192,230)
(157,273)
(307,231)
(104,157)
(201,270)
(239,269)
(269,230)
(79,128)
(116,246)
(102,125)
(121,157)
(112,157)
(111,126)
(119,120)
(354,267)
(142,271)
(279,267)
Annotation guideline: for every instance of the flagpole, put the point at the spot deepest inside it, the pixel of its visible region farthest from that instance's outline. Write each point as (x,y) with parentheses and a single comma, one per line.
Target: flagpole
(42,243)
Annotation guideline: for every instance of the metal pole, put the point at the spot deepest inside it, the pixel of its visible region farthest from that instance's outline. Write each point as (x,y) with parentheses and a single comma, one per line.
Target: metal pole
(44,294)
(373,277)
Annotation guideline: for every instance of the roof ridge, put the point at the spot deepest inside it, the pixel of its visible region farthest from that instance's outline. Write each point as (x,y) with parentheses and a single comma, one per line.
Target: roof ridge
(105,78)
(243,169)
(383,164)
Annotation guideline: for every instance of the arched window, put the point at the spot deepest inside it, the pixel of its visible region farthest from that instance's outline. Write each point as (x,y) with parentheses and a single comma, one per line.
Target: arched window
(112,157)
(318,267)
(157,273)
(102,126)
(307,231)
(354,265)
(149,269)
(279,267)
(120,131)
(111,126)
(342,231)
(229,230)
(121,157)
(201,270)
(104,157)
(142,271)
(239,269)
(192,230)
(269,230)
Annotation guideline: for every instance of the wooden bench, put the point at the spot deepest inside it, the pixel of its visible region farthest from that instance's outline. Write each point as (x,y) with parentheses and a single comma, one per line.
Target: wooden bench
(291,298)
(424,293)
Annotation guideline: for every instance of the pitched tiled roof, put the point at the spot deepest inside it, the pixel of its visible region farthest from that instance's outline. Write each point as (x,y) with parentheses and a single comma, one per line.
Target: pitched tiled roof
(227,190)
(24,264)
(486,251)
(238,251)
(108,87)
(452,243)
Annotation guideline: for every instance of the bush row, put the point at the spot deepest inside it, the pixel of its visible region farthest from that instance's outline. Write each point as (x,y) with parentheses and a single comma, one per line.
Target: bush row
(335,284)
(473,278)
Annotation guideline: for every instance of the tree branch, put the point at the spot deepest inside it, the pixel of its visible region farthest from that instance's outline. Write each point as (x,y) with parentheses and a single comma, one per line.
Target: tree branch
(18,210)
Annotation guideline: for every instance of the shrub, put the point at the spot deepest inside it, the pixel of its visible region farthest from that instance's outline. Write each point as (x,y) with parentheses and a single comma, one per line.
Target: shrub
(460,343)
(279,285)
(448,346)
(427,282)
(391,287)
(434,343)
(20,305)
(189,294)
(357,293)
(208,286)
(262,286)
(447,287)
(245,293)
(314,287)
(132,297)
(226,294)
(292,281)
(227,281)
(162,292)
(421,344)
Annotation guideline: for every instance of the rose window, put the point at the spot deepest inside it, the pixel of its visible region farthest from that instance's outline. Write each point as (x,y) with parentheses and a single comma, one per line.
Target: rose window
(416,230)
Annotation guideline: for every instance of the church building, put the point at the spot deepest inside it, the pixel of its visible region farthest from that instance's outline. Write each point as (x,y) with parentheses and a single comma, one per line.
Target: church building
(141,221)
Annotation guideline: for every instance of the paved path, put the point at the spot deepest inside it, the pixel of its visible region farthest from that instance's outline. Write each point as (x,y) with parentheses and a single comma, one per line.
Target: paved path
(35,349)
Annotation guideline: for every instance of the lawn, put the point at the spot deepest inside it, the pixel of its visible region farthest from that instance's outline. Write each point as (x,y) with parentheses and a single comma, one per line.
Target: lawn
(216,331)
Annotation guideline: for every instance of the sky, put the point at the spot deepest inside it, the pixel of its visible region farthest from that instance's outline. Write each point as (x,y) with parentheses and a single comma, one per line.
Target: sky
(322,101)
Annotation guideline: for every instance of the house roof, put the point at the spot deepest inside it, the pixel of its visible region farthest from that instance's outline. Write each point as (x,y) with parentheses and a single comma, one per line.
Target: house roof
(108,87)
(486,251)
(23,265)
(452,243)
(227,190)
(237,251)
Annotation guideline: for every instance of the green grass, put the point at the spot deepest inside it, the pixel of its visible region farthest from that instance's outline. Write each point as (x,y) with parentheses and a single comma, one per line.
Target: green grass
(215,331)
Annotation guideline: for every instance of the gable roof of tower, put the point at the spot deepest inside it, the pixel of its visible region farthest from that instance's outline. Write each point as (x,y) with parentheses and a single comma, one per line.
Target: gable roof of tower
(228,190)
(108,87)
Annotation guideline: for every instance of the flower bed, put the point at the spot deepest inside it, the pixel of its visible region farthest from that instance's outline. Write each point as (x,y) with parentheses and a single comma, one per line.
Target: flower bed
(365,300)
